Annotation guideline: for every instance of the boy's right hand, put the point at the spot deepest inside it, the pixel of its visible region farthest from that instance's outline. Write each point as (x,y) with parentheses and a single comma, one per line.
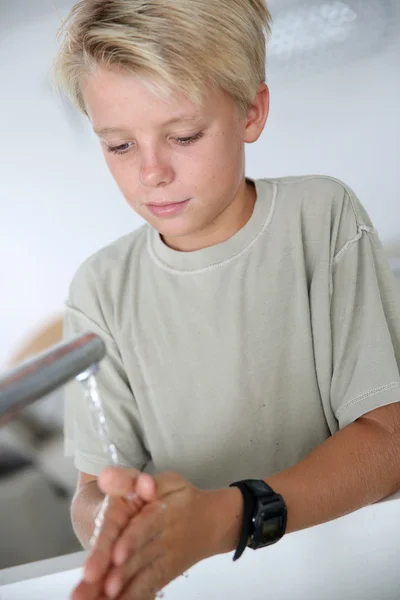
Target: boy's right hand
(121,509)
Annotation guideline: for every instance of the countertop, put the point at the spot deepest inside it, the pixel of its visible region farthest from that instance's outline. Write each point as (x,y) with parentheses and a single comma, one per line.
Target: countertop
(350,558)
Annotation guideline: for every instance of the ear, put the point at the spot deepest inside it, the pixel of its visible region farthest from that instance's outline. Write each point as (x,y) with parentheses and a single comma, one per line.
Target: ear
(257,115)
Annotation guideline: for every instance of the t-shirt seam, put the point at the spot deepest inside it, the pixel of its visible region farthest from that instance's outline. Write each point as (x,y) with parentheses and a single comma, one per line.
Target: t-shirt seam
(361,230)
(350,403)
(84,315)
(224,262)
(345,187)
(308,177)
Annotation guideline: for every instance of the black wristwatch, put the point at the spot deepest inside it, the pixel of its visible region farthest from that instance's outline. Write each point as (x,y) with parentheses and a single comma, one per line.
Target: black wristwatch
(264,515)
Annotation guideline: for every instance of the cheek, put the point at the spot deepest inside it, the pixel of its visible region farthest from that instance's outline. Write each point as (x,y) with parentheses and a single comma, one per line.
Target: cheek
(124,174)
(224,160)
(215,162)
(111,164)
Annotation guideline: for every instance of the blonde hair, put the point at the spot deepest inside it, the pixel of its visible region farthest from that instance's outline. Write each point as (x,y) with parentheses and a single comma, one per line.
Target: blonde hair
(176,45)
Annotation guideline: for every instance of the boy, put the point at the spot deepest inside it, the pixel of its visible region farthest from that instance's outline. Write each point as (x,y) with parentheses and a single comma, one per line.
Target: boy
(252,327)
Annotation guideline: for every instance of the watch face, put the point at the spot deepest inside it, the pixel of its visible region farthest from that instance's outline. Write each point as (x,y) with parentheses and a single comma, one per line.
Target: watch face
(268,530)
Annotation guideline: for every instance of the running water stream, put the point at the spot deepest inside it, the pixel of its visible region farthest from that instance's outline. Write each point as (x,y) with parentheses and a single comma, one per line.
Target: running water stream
(92,395)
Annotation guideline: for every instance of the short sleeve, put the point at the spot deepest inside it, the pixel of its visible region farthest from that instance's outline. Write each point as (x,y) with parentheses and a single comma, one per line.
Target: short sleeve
(81,438)
(365,327)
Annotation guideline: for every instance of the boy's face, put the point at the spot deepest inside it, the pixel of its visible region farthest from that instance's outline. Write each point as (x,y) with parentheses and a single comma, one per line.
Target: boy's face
(179,166)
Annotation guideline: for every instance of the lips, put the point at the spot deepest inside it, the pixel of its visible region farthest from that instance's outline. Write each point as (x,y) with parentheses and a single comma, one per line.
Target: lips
(167,209)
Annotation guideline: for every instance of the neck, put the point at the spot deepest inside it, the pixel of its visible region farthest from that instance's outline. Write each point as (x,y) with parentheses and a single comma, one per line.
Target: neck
(225,225)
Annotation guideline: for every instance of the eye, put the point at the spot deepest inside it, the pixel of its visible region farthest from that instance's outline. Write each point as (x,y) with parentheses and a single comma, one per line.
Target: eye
(122,149)
(186,141)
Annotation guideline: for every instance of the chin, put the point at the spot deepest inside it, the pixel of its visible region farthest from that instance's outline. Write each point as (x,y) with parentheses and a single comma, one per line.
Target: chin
(176,228)
(175,231)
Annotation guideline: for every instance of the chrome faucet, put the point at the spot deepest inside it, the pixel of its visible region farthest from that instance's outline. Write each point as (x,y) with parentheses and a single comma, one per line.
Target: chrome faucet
(35,378)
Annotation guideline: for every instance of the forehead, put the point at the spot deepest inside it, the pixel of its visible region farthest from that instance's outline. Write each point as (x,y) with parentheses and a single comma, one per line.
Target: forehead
(111,95)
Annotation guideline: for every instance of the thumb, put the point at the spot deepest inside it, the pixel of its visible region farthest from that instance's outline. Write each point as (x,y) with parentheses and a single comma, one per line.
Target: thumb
(126,483)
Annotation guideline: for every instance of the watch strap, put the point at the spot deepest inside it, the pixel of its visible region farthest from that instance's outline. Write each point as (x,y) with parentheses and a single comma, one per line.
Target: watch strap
(252,491)
(250,502)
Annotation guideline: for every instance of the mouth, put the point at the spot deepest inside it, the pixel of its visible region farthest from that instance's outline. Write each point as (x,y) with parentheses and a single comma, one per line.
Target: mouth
(167,209)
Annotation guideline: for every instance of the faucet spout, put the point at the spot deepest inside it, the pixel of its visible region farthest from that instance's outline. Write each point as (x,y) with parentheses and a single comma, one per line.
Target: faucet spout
(48,371)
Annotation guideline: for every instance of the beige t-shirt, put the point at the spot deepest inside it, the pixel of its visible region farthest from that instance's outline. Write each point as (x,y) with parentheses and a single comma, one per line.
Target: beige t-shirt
(237,360)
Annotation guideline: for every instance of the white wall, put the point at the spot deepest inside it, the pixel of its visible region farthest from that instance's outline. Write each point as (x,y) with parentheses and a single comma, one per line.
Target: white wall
(58,204)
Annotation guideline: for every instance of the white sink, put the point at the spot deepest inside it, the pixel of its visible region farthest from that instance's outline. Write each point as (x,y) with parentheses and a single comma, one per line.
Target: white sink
(353,558)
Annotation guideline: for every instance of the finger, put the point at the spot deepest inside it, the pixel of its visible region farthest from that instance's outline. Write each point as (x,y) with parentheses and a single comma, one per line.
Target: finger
(116,518)
(146,584)
(88,591)
(146,487)
(144,527)
(168,483)
(115,481)
(119,577)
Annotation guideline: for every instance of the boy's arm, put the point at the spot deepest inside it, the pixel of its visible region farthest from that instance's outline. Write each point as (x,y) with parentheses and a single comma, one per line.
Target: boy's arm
(85,506)
(357,466)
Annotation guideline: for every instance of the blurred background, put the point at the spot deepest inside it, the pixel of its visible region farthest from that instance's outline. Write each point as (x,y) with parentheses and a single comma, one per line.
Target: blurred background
(333,70)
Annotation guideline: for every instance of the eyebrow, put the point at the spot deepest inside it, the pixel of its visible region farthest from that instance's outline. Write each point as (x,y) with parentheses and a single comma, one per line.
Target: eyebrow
(180,119)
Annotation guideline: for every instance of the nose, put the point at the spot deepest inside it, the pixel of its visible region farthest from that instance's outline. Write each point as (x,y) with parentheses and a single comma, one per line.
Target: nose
(155,171)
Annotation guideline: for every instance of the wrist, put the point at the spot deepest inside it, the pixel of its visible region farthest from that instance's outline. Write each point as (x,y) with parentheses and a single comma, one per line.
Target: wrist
(226,519)
(84,507)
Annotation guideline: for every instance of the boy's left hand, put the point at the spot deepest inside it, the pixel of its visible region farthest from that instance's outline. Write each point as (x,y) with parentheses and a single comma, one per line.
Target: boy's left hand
(179,527)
